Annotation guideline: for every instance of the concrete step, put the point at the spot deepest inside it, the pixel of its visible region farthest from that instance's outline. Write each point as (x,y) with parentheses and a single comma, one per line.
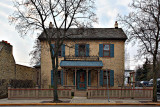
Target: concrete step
(80,93)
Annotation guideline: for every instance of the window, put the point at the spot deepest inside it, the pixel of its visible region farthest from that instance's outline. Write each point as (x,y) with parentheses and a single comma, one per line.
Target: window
(59,77)
(82,51)
(106,50)
(105,78)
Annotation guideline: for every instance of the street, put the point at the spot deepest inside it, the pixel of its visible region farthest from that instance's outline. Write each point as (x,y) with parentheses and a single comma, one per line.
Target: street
(91,106)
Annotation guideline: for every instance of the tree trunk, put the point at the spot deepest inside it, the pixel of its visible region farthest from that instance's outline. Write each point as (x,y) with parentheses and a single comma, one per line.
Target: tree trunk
(154,79)
(55,86)
(56,81)
(55,95)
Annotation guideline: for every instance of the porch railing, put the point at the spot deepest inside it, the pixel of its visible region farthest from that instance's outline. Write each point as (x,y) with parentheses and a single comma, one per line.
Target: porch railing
(35,93)
(81,58)
(121,93)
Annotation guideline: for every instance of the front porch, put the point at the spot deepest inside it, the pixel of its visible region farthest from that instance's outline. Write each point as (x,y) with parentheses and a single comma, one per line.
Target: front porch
(81,79)
(79,75)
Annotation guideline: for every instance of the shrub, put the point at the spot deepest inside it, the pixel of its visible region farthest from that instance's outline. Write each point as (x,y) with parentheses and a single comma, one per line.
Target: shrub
(22,83)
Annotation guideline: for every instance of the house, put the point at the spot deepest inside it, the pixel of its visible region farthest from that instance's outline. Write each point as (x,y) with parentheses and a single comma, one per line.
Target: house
(127,77)
(84,59)
(9,70)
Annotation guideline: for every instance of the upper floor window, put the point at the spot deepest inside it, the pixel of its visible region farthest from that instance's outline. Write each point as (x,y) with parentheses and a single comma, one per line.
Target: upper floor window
(82,51)
(61,51)
(106,50)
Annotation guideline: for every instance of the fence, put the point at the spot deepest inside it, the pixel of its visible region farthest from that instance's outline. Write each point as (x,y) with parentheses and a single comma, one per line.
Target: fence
(35,93)
(121,93)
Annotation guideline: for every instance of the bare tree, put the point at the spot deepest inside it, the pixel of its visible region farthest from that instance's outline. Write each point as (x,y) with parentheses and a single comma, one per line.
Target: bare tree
(142,25)
(35,53)
(34,15)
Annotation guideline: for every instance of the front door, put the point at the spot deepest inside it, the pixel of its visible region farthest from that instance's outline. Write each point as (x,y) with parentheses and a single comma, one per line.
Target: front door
(81,79)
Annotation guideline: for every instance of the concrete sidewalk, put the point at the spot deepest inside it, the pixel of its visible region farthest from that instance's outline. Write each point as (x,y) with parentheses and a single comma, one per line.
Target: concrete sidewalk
(111,101)
(75,100)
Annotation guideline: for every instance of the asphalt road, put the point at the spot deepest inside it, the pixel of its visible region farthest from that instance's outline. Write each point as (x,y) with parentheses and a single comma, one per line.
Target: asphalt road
(89,106)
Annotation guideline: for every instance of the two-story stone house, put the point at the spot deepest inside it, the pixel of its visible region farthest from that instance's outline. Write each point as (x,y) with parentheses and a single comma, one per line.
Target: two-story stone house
(84,59)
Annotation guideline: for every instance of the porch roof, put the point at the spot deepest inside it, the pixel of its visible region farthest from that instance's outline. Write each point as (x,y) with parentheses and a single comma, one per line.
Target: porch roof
(81,64)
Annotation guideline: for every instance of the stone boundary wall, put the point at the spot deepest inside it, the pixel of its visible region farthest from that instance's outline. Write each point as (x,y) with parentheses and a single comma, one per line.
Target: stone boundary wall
(36,93)
(119,93)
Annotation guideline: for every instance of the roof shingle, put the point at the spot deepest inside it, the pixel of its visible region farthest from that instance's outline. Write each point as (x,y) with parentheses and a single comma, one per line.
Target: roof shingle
(91,33)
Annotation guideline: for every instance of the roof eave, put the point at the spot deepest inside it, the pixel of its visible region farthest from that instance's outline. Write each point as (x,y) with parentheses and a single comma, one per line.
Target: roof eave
(41,39)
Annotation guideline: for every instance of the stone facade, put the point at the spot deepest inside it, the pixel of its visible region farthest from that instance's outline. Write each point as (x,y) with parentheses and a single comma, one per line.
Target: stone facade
(26,73)
(7,62)
(115,63)
(10,70)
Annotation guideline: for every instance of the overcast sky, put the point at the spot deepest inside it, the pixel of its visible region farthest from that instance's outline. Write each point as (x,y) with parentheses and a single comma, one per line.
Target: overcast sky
(106,11)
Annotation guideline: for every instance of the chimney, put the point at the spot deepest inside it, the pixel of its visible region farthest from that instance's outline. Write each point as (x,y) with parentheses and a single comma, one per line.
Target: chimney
(50,25)
(7,46)
(116,25)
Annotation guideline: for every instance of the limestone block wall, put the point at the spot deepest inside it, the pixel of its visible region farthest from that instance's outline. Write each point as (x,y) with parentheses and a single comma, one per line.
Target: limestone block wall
(26,73)
(116,63)
(70,79)
(7,62)
(94,78)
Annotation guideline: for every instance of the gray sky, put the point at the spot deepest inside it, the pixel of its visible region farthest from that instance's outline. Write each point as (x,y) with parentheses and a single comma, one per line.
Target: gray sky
(106,11)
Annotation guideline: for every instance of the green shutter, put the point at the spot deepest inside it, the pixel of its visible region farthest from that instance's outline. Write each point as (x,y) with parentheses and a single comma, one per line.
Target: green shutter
(76,50)
(111,50)
(51,77)
(87,49)
(111,77)
(100,50)
(63,50)
(52,48)
(62,77)
(89,78)
(101,78)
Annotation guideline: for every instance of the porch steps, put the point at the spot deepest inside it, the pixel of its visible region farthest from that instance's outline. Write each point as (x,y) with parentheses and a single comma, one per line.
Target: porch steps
(80,93)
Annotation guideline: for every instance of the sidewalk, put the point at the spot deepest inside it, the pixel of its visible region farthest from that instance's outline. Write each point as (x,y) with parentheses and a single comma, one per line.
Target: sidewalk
(78,100)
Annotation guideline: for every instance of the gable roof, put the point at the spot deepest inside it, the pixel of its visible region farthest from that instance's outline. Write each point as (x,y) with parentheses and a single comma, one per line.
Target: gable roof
(91,34)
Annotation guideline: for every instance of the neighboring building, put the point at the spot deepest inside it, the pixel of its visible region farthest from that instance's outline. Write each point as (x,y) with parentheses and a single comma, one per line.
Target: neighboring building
(85,58)
(127,77)
(10,70)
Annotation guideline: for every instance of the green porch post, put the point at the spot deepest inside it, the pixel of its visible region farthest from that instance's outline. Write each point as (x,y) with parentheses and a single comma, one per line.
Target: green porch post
(98,79)
(87,77)
(75,78)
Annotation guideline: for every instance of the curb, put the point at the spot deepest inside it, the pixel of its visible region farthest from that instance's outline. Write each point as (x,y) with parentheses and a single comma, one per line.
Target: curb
(83,104)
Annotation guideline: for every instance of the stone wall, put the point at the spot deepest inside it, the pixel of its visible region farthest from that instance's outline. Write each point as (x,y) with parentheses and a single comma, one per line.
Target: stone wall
(116,63)
(94,78)
(26,73)
(7,62)
(10,70)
